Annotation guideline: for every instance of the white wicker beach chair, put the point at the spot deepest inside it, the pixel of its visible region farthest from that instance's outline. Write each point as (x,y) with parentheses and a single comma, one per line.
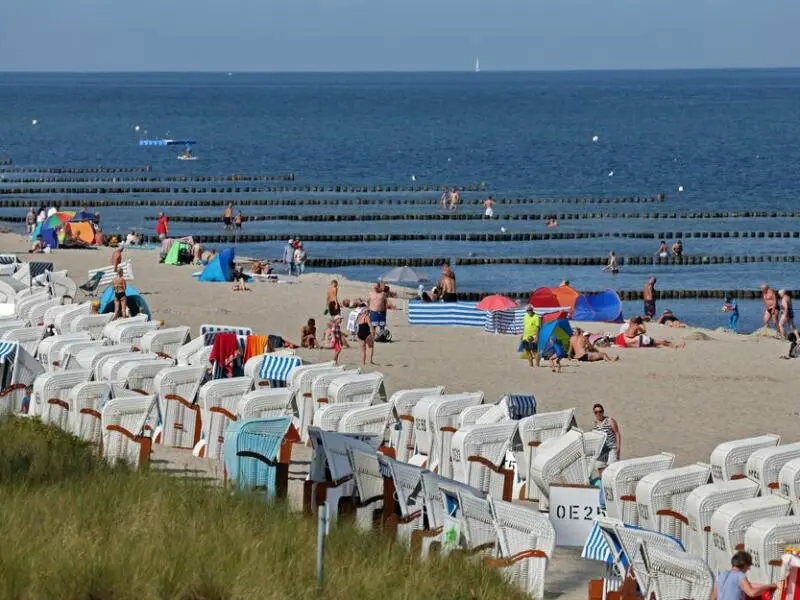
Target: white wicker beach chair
(263,403)
(766,540)
(7,325)
(402,437)
(218,400)
(63,353)
(188,351)
(164,342)
(478,452)
(661,497)
(730,522)
(471,415)
(729,459)
(28,338)
(108,366)
(476,529)
(125,429)
(18,371)
(51,313)
(297,372)
(764,465)
(110,331)
(531,433)
(442,419)
(675,575)
(559,460)
(176,389)
(8,292)
(408,497)
(109,273)
(86,400)
(132,333)
(701,504)
(619,484)
(252,368)
(50,347)
(94,324)
(62,286)
(65,315)
(329,416)
(25,305)
(789,483)
(302,385)
(139,376)
(369,486)
(88,358)
(526,542)
(357,387)
(371,419)
(319,387)
(36,314)
(49,400)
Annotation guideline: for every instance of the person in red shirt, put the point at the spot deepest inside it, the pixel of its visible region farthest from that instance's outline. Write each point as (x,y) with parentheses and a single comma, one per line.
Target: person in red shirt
(162,227)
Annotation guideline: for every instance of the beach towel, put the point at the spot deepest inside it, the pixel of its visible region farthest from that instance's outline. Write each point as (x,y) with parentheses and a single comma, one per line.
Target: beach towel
(255,345)
(225,352)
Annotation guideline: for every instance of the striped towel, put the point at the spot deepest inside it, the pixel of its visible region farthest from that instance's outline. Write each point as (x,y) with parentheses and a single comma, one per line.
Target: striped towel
(276,369)
(521,406)
(209,332)
(109,274)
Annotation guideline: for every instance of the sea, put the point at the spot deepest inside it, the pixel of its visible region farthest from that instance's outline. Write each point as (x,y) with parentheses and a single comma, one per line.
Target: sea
(720,140)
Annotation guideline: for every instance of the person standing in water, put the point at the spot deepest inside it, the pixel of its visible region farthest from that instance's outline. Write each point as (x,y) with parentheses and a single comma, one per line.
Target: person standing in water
(488,206)
(227,216)
(612,267)
(649,297)
(732,308)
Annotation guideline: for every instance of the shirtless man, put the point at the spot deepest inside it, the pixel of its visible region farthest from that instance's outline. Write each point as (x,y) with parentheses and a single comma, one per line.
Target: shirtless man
(583,349)
(448,284)
(771,310)
(786,322)
(649,298)
(612,266)
(332,299)
(376,302)
(454,198)
(488,206)
(227,215)
(116,257)
(636,336)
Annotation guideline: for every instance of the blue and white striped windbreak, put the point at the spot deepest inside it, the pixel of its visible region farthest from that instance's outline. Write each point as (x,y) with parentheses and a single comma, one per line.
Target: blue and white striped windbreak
(521,406)
(596,547)
(8,352)
(276,369)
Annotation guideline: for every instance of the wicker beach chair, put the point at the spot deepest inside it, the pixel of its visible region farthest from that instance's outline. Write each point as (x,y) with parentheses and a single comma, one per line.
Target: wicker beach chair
(357,387)
(674,575)
(49,400)
(164,342)
(402,433)
(526,541)
(661,497)
(729,459)
(320,384)
(789,483)
(329,416)
(139,376)
(187,353)
(471,415)
(7,325)
(176,389)
(25,305)
(619,484)
(265,403)
(702,502)
(94,324)
(730,522)
(132,333)
(36,315)
(218,400)
(124,424)
(86,400)
(50,315)
(111,329)
(407,514)
(560,460)
(18,371)
(28,338)
(369,487)
(475,530)
(766,540)
(66,315)
(477,453)
(64,358)
(47,353)
(108,366)
(442,421)
(370,419)
(764,465)
(301,382)
(88,358)
(253,366)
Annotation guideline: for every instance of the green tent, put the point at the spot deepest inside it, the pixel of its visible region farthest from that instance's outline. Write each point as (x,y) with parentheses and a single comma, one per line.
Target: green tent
(174,252)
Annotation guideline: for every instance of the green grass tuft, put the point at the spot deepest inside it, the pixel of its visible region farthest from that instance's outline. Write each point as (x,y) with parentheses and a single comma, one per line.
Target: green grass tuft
(74,528)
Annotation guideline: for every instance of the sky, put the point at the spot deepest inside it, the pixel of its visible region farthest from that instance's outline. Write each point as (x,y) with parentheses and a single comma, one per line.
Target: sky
(384,35)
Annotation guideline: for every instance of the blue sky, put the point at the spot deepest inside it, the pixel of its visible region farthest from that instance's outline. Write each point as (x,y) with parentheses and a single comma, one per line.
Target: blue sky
(382,35)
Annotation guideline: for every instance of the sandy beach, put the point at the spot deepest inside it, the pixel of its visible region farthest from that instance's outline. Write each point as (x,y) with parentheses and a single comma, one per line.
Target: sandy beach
(719,387)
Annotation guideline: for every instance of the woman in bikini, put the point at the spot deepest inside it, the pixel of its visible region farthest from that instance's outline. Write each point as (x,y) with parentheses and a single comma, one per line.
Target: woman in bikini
(366,336)
(120,301)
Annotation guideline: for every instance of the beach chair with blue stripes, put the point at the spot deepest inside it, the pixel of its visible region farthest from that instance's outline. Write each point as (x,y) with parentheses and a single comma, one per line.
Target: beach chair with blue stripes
(208,331)
(257,453)
(18,371)
(276,369)
(252,368)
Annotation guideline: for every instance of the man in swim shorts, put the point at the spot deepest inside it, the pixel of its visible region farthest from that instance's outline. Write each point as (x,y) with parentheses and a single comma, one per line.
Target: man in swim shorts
(649,298)
(770,305)
(377,306)
(448,284)
(786,322)
(583,349)
(488,205)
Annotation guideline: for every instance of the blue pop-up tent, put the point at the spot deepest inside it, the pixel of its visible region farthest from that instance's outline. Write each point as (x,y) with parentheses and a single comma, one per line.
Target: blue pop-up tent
(603,306)
(136,304)
(220,268)
(558,329)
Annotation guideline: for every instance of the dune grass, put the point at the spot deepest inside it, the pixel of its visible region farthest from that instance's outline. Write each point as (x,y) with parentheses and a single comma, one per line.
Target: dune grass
(73,527)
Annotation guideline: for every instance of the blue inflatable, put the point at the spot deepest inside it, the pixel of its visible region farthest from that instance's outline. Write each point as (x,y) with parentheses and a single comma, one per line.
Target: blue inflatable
(136,304)
(603,306)
(220,268)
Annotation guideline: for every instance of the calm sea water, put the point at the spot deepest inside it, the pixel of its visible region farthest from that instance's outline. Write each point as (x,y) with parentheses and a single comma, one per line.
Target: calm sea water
(728,137)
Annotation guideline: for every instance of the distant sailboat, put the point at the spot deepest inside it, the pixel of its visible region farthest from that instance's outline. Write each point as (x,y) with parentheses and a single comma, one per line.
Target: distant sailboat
(477,65)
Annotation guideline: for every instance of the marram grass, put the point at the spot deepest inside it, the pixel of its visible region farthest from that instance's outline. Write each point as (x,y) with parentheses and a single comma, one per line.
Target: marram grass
(73,528)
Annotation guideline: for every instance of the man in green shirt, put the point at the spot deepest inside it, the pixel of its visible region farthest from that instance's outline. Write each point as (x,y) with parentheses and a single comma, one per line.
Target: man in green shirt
(531,323)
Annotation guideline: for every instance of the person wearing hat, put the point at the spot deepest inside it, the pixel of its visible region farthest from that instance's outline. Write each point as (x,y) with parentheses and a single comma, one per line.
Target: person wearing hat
(531,323)
(786,322)
(288,256)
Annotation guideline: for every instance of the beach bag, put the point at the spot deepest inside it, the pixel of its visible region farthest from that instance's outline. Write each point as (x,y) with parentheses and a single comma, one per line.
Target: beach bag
(383,336)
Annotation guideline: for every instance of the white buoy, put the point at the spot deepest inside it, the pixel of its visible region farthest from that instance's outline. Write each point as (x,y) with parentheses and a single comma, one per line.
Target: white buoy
(449,159)
(680,188)
(413,178)
(595,138)
(502,229)
(34,122)
(611,173)
(137,128)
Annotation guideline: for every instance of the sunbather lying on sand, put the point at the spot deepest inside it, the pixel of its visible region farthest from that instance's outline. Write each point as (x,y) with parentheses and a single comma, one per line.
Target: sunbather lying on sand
(584,351)
(670,320)
(635,336)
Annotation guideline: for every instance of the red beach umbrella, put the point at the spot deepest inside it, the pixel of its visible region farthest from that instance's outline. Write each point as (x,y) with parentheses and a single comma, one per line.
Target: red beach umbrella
(496,302)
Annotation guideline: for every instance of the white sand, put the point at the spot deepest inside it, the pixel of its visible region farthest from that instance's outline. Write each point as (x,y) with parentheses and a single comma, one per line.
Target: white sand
(683,401)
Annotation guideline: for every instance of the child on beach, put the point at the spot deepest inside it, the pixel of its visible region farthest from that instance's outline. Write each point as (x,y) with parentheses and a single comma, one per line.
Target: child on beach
(308,335)
(555,352)
(338,340)
(732,308)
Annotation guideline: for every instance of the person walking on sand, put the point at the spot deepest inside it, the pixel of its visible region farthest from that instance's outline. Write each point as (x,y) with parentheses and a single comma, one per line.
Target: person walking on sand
(649,297)
(771,310)
(288,256)
(332,299)
(299,259)
(162,226)
(612,449)
(734,584)
(116,257)
(377,302)
(338,340)
(786,322)
(488,206)
(227,216)
(611,267)
(366,336)
(531,323)
(448,284)
(30,220)
(120,287)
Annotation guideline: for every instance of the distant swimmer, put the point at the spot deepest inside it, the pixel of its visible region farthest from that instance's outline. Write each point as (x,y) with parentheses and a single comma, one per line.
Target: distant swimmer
(488,206)
(552,222)
(455,198)
(677,248)
(227,216)
(612,266)
(662,251)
